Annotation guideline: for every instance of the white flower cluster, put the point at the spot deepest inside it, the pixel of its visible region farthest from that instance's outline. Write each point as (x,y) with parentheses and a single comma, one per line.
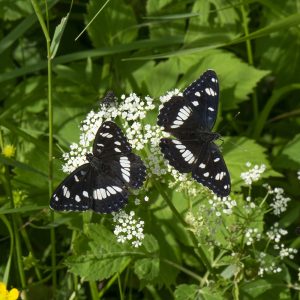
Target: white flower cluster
(266,267)
(279,201)
(286,252)
(128,228)
(219,205)
(75,158)
(253,174)
(132,109)
(275,233)
(252,235)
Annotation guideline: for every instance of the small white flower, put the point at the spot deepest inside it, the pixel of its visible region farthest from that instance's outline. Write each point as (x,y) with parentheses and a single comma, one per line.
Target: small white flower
(253,174)
(279,201)
(128,228)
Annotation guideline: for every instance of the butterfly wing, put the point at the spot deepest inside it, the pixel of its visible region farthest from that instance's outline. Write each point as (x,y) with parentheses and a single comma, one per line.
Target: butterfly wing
(178,118)
(181,155)
(203,97)
(110,141)
(211,170)
(108,194)
(111,145)
(73,193)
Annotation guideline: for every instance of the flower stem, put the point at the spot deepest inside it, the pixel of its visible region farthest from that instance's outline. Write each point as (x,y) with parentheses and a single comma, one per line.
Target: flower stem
(198,247)
(45,30)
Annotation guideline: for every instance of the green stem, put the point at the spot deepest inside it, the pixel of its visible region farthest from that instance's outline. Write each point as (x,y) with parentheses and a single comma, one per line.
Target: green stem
(94,290)
(120,288)
(50,125)
(17,236)
(28,245)
(5,278)
(250,57)
(201,253)
(181,268)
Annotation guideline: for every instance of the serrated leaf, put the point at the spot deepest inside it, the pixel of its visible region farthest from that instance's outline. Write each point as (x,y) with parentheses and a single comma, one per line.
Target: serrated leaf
(147,268)
(237,79)
(93,268)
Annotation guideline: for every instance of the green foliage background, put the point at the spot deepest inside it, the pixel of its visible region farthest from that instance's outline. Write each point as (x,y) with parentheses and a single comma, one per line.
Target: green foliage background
(148,47)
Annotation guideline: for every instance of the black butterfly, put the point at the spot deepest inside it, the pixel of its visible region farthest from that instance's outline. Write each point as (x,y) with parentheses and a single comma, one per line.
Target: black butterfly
(190,118)
(102,183)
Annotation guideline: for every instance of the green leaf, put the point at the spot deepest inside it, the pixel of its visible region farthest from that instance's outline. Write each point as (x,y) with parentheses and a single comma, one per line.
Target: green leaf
(237,79)
(114,25)
(289,158)
(90,267)
(150,243)
(194,292)
(58,33)
(238,151)
(105,257)
(147,268)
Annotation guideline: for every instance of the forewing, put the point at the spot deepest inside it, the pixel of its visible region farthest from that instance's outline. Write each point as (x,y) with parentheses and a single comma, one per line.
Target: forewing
(181,155)
(72,194)
(203,96)
(109,141)
(178,118)
(211,170)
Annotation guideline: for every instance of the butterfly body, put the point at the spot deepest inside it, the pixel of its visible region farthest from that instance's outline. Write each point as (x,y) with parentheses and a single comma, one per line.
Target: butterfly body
(190,119)
(103,183)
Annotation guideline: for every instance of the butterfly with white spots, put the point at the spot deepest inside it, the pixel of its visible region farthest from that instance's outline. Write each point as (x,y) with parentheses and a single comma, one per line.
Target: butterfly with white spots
(190,119)
(103,183)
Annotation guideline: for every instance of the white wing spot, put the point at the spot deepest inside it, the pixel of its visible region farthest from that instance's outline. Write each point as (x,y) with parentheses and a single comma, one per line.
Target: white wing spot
(117,149)
(77,198)
(180,146)
(111,190)
(214,79)
(186,153)
(125,171)
(202,166)
(217,159)
(225,187)
(66,191)
(127,179)
(117,143)
(85,194)
(206,174)
(211,109)
(176,142)
(177,122)
(198,94)
(76,178)
(103,193)
(100,145)
(195,103)
(118,189)
(56,198)
(218,176)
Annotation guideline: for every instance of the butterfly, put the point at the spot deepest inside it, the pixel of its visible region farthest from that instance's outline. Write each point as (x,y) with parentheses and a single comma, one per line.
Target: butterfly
(103,183)
(190,119)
